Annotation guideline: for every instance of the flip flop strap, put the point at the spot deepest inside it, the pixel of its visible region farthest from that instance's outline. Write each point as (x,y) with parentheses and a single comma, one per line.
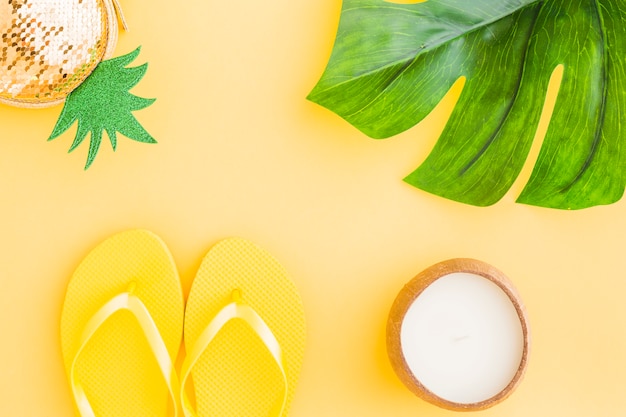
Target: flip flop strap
(129,302)
(235,310)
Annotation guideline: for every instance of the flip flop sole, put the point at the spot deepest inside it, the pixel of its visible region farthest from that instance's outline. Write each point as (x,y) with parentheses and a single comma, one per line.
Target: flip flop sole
(117,368)
(236,375)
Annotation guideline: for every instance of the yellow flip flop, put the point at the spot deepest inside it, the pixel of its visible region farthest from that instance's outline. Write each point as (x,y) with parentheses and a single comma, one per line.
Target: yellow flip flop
(121,328)
(244,335)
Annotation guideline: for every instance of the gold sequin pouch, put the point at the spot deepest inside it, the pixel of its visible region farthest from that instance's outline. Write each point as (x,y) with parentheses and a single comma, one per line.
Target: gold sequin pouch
(56,51)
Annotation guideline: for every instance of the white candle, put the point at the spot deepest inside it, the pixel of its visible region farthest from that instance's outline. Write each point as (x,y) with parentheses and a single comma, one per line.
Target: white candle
(459,335)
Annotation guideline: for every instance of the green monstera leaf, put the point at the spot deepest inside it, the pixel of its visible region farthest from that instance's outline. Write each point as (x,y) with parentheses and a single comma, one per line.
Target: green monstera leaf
(392,63)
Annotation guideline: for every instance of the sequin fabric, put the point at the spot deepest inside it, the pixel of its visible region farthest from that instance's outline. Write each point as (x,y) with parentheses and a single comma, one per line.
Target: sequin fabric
(49,47)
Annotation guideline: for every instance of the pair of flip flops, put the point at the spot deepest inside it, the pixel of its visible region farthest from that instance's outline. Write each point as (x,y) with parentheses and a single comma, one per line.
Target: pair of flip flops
(124,317)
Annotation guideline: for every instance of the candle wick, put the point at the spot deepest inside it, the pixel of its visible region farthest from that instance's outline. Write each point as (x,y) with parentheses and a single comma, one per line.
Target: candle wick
(460,338)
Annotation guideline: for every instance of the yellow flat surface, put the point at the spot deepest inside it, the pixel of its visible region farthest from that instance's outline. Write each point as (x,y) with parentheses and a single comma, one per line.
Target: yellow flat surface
(242,153)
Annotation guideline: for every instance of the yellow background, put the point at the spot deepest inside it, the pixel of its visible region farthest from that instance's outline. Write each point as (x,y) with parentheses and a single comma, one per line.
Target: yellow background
(243,153)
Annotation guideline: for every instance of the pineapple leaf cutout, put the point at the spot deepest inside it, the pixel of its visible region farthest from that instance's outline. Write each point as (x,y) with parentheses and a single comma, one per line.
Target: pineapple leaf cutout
(103,103)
